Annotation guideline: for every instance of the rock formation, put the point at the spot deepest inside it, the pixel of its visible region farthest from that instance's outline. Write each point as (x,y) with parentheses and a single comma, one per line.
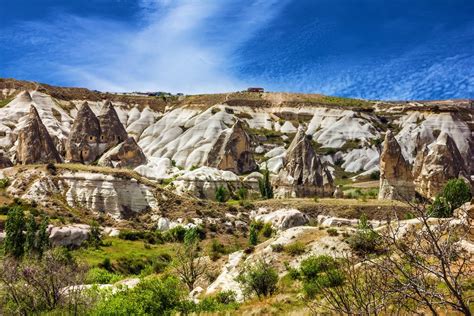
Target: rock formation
(396,181)
(34,142)
(233,151)
(4,161)
(125,155)
(438,163)
(83,142)
(303,174)
(283,219)
(112,130)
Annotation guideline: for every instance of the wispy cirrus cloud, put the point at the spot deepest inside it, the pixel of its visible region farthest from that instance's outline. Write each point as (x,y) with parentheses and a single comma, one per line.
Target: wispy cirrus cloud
(182,45)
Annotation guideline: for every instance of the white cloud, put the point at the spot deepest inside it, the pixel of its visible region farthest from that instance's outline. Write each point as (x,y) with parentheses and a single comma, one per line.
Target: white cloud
(179,46)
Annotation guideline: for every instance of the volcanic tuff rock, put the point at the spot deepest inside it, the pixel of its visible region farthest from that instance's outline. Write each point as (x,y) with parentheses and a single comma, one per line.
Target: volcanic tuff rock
(112,130)
(438,163)
(303,174)
(396,181)
(233,151)
(34,142)
(125,155)
(83,142)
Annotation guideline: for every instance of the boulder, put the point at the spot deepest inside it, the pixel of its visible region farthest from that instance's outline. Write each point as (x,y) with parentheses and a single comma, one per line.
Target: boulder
(233,151)
(67,236)
(163,224)
(5,162)
(303,174)
(438,163)
(112,130)
(396,181)
(284,218)
(35,145)
(83,141)
(203,182)
(125,155)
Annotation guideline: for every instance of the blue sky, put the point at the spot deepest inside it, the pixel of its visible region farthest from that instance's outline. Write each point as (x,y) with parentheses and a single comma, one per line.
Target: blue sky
(377,49)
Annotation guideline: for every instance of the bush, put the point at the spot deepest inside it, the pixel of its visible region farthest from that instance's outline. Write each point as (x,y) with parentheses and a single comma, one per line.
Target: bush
(253,235)
(226,297)
(267,230)
(375,175)
(149,297)
(175,234)
(295,249)
(126,265)
(101,276)
(217,249)
(277,247)
(242,193)
(332,232)
(265,186)
(455,193)
(222,194)
(260,279)
(311,267)
(4,183)
(365,240)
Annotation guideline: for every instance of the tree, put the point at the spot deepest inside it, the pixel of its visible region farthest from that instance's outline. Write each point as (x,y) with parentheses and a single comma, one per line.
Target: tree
(424,268)
(265,186)
(189,264)
(14,237)
(455,193)
(36,286)
(260,279)
(95,235)
(31,235)
(43,243)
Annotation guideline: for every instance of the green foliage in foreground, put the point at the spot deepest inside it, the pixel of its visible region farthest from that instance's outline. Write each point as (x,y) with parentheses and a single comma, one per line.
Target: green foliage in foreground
(455,193)
(159,296)
(265,186)
(260,279)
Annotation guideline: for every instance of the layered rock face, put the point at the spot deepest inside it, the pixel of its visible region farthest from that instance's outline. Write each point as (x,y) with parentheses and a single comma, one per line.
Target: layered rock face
(112,130)
(233,151)
(396,180)
(83,142)
(34,142)
(438,163)
(303,174)
(125,155)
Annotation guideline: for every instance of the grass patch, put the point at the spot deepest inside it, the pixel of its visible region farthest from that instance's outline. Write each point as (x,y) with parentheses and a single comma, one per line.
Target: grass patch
(4,102)
(117,248)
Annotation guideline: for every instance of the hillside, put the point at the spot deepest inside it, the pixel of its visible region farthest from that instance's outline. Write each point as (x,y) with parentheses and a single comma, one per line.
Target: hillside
(278,177)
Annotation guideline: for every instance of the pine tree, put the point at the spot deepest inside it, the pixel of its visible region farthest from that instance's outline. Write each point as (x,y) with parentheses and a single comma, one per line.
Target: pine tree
(266,189)
(14,237)
(30,238)
(253,235)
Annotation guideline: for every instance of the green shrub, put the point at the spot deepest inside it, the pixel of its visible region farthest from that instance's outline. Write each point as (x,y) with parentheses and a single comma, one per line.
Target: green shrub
(312,266)
(101,276)
(365,240)
(295,249)
(260,279)
(226,297)
(455,193)
(217,249)
(222,194)
(4,183)
(242,193)
(253,235)
(267,230)
(175,234)
(277,247)
(265,186)
(332,232)
(14,228)
(375,175)
(149,297)
(127,265)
